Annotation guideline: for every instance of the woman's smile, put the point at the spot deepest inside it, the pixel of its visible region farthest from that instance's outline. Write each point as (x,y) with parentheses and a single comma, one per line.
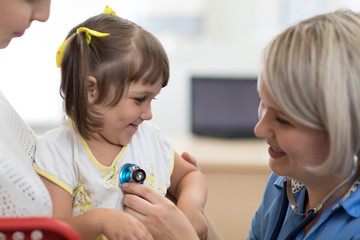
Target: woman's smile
(275,152)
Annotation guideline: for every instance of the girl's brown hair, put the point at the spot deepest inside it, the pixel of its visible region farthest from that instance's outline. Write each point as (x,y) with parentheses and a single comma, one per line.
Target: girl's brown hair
(128,54)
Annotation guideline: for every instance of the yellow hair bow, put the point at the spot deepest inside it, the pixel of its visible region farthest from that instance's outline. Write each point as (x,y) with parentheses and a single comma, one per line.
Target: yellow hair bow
(59,53)
(88,33)
(109,11)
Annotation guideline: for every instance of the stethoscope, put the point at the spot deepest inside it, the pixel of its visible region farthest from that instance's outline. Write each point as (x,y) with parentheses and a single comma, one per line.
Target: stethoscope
(129,172)
(288,198)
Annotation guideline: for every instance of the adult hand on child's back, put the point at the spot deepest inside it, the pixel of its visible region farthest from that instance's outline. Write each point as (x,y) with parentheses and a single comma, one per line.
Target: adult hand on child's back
(189,158)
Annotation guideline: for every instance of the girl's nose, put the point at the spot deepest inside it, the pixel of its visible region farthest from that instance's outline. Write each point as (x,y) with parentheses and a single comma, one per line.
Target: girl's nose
(146,114)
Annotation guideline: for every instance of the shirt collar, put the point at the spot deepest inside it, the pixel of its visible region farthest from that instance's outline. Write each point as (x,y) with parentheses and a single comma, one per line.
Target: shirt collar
(350,201)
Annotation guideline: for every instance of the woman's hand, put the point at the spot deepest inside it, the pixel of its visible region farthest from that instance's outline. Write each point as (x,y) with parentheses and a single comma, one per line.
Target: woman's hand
(162,218)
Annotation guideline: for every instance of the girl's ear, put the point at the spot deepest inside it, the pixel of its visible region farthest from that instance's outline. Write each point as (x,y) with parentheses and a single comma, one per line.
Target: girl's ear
(92,89)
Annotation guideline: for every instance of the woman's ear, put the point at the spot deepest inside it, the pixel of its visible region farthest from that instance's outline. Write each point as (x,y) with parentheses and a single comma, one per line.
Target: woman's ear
(92,89)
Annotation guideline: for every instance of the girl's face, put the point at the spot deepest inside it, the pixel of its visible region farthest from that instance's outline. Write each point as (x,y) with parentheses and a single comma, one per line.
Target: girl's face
(17,15)
(291,145)
(122,120)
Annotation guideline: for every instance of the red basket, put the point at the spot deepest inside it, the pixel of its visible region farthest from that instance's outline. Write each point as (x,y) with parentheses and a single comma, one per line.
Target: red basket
(36,228)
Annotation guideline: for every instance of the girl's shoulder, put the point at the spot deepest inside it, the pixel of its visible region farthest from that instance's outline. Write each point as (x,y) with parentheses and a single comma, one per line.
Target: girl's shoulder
(61,140)
(61,133)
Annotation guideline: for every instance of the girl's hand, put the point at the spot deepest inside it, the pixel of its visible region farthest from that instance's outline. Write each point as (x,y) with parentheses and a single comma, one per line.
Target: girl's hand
(162,218)
(114,224)
(118,225)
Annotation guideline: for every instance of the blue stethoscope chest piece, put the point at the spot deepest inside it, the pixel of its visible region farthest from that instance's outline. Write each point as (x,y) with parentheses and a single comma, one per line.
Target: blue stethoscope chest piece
(131,173)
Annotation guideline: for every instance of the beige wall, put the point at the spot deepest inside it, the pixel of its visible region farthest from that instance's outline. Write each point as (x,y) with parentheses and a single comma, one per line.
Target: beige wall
(234,195)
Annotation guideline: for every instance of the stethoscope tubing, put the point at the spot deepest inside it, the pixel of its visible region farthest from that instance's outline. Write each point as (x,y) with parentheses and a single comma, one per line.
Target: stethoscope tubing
(311,214)
(282,214)
(280,221)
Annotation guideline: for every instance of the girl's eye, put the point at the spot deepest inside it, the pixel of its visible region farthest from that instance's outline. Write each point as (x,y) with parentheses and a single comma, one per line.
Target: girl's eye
(281,120)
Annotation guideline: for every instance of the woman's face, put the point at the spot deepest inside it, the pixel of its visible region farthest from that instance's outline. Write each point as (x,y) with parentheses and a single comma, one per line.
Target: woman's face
(291,145)
(16,16)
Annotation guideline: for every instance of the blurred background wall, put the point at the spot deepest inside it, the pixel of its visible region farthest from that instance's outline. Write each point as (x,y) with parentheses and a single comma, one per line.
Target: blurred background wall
(211,38)
(201,37)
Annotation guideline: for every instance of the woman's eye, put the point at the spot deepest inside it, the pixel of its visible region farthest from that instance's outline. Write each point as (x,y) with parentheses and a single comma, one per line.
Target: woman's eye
(281,120)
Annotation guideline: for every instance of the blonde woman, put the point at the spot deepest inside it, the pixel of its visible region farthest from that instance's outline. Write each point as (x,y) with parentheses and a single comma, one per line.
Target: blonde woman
(309,115)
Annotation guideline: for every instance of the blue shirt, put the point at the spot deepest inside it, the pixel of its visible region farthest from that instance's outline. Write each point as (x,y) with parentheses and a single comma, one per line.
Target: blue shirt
(340,221)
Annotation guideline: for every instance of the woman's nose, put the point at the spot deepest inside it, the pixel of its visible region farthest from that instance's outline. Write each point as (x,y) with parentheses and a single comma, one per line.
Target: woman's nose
(41,11)
(263,127)
(259,130)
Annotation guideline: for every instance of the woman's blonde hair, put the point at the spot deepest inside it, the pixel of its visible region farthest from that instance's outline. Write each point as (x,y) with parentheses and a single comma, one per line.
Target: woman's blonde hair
(312,71)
